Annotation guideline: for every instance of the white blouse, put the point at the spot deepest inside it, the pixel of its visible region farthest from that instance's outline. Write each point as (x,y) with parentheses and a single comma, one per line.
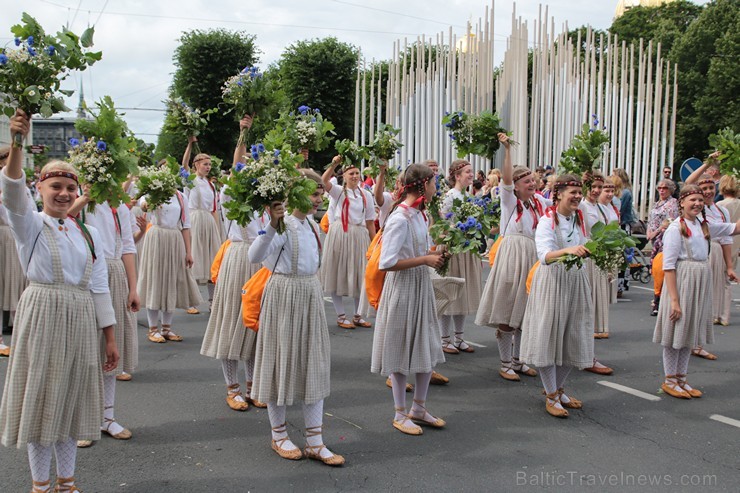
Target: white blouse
(546,237)
(27,225)
(202,196)
(4,212)
(452,194)
(404,226)
(594,213)
(102,219)
(674,248)
(361,205)
(717,214)
(171,215)
(385,209)
(509,224)
(267,248)
(611,213)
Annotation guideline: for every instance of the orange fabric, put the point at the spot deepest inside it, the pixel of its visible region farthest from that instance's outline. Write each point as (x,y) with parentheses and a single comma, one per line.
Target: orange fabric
(494,250)
(149,226)
(325,223)
(216,265)
(252,298)
(530,276)
(374,277)
(658,273)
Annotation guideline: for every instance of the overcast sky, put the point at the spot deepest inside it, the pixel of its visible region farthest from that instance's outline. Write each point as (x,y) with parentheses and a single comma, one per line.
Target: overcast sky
(138,37)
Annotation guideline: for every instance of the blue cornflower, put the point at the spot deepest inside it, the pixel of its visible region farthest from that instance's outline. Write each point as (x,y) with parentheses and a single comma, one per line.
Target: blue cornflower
(478,226)
(449,215)
(459,225)
(101,146)
(240,166)
(276,152)
(74,142)
(448,125)
(316,111)
(253,148)
(261,232)
(31,51)
(3,59)
(17,41)
(260,147)
(50,50)
(255,181)
(30,41)
(447,113)
(467,242)
(303,109)
(452,137)
(276,161)
(313,120)
(255,155)
(184,173)
(239,83)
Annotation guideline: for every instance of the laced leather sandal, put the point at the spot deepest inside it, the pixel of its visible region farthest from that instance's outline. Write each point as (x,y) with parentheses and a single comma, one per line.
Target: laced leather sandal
(124,377)
(155,335)
(253,402)
(233,402)
(404,428)
(357,321)
(507,372)
(461,345)
(41,486)
(448,347)
(5,351)
(694,393)
(572,403)
(389,384)
(314,451)
(344,323)
(672,387)
(124,434)
(551,408)
(66,485)
(438,379)
(437,423)
(277,445)
(523,369)
(169,335)
(703,353)
(84,443)
(601,335)
(192,311)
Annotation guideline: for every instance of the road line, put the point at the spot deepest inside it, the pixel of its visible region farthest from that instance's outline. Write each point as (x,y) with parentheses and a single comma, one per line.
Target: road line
(474,344)
(725,420)
(629,390)
(640,287)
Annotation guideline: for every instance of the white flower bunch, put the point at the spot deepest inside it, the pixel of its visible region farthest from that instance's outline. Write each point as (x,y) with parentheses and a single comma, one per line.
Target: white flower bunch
(158,185)
(306,132)
(92,163)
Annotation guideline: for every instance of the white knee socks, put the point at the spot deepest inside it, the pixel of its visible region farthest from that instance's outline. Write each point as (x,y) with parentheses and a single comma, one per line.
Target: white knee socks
(505,340)
(670,360)
(66,455)
(517,343)
(39,458)
(684,354)
(230,368)
(313,415)
(277,420)
(167,318)
(338,304)
(398,381)
(445,325)
(152,317)
(109,389)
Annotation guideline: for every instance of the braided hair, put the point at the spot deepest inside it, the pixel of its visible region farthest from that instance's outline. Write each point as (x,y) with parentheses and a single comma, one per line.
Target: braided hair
(414,180)
(455,167)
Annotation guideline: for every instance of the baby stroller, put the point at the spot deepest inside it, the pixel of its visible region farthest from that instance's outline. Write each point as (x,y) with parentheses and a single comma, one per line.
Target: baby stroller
(640,267)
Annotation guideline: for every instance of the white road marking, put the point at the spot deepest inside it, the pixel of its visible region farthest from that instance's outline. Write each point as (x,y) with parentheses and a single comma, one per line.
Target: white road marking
(725,420)
(474,344)
(629,390)
(328,298)
(640,287)
(623,300)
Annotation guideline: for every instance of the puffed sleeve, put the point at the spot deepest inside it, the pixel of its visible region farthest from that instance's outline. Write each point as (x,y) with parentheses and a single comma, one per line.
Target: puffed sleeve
(127,233)
(335,192)
(394,237)
(545,238)
(102,302)
(672,246)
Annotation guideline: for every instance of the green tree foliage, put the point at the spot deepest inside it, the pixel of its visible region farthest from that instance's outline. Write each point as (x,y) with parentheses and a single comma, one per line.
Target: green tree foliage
(708,58)
(321,73)
(203,61)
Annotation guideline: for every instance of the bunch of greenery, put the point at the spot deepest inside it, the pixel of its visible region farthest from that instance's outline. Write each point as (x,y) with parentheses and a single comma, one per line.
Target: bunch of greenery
(351,152)
(475,134)
(585,151)
(727,143)
(159,184)
(306,129)
(606,249)
(247,93)
(186,119)
(31,74)
(271,175)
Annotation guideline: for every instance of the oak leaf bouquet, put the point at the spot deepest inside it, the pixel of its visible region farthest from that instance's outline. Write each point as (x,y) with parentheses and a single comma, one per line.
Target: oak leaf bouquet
(606,249)
(585,152)
(475,134)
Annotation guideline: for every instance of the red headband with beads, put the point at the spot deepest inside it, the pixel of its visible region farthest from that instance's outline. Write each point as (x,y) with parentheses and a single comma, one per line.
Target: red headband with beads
(706,180)
(525,174)
(573,183)
(55,174)
(458,167)
(690,192)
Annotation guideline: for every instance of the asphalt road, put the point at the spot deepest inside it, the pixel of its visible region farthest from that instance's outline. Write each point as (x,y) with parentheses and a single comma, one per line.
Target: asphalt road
(498,437)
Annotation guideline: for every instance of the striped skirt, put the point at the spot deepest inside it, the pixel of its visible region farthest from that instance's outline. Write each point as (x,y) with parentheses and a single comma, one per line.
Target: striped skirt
(466,266)
(343,260)
(557,328)
(54,384)
(125,329)
(164,281)
(293,355)
(600,296)
(694,282)
(226,336)
(505,294)
(12,279)
(205,238)
(407,335)
(719,282)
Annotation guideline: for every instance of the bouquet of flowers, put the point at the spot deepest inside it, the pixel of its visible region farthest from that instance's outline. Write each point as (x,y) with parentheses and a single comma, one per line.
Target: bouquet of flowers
(475,134)
(158,184)
(435,205)
(386,143)
(606,247)
(143,152)
(271,175)
(248,93)
(185,177)
(31,74)
(351,152)
(465,228)
(584,154)
(306,129)
(391,173)
(184,118)
(93,161)
(114,142)
(727,143)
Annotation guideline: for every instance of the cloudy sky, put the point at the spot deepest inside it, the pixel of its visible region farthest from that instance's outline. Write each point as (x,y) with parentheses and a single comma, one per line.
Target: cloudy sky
(138,37)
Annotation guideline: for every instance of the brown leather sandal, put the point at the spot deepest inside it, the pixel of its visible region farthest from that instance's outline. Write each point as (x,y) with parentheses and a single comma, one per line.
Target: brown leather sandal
(41,486)
(66,485)
(703,353)
(404,428)
(124,434)
(507,372)
(572,403)
(551,408)
(344,323)
(437,423)
(155,335)
(357,321)
(232,401)
(277,445)
(695,393)
(314,451)
(169,335)
(672,387)
(522,368)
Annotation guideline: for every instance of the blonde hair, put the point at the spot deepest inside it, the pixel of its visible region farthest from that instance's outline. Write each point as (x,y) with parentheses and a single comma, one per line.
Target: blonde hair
(200,157)
(728,186)
(455,168)
(618,185)
(57,165)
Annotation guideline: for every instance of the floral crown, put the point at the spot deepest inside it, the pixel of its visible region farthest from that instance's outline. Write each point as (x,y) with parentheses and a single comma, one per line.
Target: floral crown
(564,184)
(706,180)
(63,174)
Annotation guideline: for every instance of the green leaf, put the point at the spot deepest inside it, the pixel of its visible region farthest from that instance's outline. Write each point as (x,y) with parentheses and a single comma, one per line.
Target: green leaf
(87,37)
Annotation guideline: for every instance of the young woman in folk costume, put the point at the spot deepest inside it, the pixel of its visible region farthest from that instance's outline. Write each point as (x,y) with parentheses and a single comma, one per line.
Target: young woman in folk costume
(205,232)
(165,281)
(685,313)
(13,280)
(463,265)
(558,322)
(611,212)
(594,212)
(720,257)
(351,229)
(117,242)
(406,333)
(293,357)
(226,338)
(53,396)
(505,295)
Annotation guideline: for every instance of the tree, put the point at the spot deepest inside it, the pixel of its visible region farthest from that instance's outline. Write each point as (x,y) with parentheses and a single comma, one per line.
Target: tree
(321,73)
(203,61)
(708,58)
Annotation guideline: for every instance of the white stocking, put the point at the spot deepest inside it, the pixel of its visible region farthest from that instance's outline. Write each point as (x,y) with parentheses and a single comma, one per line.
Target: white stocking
(420,397)
(313,415)
(561,374)
(66,454)
(152,317)
(445,325)
(338,304)
(548,374)
(230,368)
(167,318)
(109,388)
(39,458)
(670,360)
(517,343)
(459,322)
(398,382)
(277,420)
(357,306)
(683,360)
(505,339)
(249,373)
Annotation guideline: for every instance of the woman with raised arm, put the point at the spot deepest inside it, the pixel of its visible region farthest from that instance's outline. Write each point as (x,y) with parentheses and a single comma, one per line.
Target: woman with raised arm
(352,226)
(558,321)
(505,296)
(53,392)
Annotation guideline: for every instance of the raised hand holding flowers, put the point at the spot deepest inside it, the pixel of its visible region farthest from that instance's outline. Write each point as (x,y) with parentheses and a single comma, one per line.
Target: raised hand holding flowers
(31,74)
(306,129)
(247,93)
(475,134)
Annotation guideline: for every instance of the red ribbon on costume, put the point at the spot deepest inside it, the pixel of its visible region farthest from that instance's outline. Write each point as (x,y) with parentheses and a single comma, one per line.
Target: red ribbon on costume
(616,211)
(182,207)
(345,209)
(116,220)
(686,228)
(579,215)
(535,209)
